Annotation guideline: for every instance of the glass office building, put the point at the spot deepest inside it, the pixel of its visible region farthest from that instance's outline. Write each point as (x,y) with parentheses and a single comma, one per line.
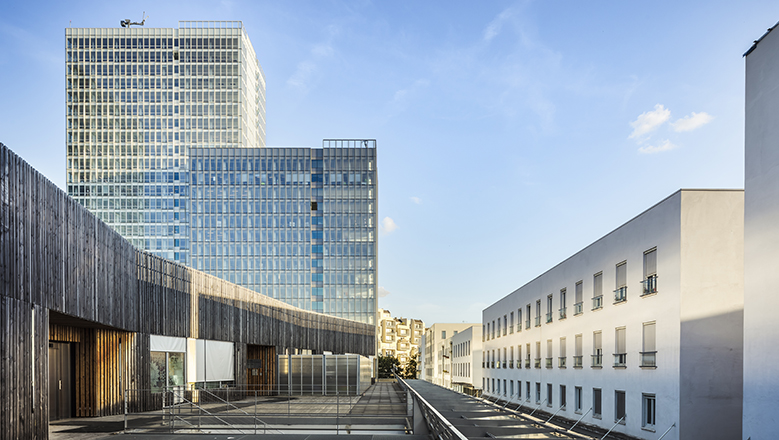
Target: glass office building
(166,143)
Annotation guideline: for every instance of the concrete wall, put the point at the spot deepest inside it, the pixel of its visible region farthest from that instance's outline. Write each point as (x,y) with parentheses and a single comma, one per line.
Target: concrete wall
(472,335)
(761,241)
(712,277)
(657,227)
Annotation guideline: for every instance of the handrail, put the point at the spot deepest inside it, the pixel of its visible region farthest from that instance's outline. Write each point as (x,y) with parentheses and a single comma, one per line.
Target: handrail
(555,413)
(580,419)
(239,409)
(612,428)
(667,431)
(509,400)
(539,406)
(432,409)
(206,411)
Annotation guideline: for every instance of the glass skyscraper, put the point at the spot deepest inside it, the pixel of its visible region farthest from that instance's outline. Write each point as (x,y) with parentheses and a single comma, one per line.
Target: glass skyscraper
(166,143)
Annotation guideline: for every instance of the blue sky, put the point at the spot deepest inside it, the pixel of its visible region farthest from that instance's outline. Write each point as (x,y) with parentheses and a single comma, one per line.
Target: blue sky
(510,134)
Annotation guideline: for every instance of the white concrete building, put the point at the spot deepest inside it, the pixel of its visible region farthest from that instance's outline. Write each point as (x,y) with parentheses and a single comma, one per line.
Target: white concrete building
(436,361)
(642,327)
(399,337)
(466,360)
(761,240)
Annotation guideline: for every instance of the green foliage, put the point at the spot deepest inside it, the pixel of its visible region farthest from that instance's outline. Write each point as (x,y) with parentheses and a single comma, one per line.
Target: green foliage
(388,364)
(410,369)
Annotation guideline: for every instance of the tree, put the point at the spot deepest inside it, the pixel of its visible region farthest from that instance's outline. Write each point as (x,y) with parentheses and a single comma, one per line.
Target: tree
(387,364)
(410,369)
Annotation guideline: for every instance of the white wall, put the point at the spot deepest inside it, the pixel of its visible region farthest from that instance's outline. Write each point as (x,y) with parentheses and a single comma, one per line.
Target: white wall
(761,241)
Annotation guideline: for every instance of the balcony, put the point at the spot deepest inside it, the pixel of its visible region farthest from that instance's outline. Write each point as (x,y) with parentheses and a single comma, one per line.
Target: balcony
(621,295)
(538,363)
(597,360)
(527,363)
(597,302)
(561,362)
(577,361)
(648,359)
(563,312)
(650,285)
(538,321)
(548,362)
(549,317)
(578,308)
(620,360)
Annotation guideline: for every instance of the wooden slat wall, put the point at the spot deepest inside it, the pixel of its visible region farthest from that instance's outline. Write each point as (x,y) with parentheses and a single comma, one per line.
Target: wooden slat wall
(57,256)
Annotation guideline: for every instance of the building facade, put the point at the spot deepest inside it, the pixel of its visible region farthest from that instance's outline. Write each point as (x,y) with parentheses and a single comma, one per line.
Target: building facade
(761,239)
(399,337)
(642,330)
(437,352)
(166,144)
(466,360)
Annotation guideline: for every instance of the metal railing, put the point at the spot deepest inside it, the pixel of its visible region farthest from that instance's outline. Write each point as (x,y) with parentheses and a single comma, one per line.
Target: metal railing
(548,362)
(597,302)
(597,360)
(527,363)
(563,312)
(621,294)
(620,360)
(648,358)
(511,363)
(549,317)
(561,362)
(578,308)
(650,285)
(538,321)
(577,361)
(436,423)
(538,363)
(253,409)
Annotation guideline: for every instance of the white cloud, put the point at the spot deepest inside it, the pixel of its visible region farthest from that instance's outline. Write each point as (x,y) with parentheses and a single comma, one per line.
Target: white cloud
(664,146)
(383,292)
(649,121)
(416,200)
(493,29)
(691,122)
(387,225)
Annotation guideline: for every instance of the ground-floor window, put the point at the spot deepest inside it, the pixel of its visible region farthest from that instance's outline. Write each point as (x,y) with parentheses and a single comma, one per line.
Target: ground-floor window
(577,399)
(619,407)
(648,404)
(562,396)
(596,403)
(549,394)
(167,370)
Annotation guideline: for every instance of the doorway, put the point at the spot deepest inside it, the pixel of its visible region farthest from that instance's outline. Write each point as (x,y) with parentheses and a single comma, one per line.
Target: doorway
(60,381)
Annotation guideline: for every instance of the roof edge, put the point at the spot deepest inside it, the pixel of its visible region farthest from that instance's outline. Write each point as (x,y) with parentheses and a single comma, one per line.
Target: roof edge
(756,42)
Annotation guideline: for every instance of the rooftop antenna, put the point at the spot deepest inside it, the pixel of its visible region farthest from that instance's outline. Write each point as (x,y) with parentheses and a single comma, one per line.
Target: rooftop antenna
(127,23)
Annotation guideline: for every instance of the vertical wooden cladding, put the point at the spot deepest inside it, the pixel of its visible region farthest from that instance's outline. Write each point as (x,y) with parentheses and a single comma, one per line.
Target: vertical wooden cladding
(106,363)
(261,363)
(56,256)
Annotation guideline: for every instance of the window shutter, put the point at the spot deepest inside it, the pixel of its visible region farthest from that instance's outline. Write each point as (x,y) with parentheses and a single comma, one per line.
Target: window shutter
(562,347)
(578,342)
(622,275)
(650,263)
(548,348)
(649,337)
(596,341)
(621,340)
(578,292)
(597,285)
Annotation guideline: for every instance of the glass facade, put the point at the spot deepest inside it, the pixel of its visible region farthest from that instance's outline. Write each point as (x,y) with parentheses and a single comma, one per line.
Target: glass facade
(166,143)
(296,224)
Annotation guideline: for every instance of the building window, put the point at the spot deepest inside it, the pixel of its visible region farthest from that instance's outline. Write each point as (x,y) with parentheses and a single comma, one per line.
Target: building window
(648,403)
(527,391)
(498,327)
(578,305)
(538,392)
(650,272)
(577,353)
(620,353)
(519,319)
(596,403)
(563,397)
(511,383)
(538,354)
(597,291)
(577,399)
(511,323)
(527,321)
(548,353)
(619,407)
(649,353)
(621,291)
(519,356)
(561,360)
(597,349)
(549,309)
(549,394)
(563,308)
(511,359)
(538,313)
(443,334)
(527,360)
(505,325)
